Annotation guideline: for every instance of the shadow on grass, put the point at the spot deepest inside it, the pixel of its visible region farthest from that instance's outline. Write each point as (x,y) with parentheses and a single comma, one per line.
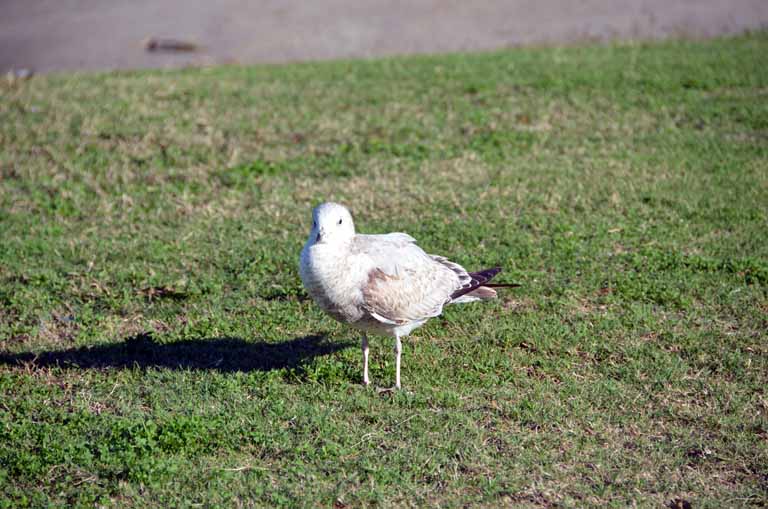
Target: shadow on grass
(219,354)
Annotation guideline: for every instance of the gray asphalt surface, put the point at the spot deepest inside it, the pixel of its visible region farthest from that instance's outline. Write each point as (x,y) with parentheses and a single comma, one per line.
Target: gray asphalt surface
(57,35)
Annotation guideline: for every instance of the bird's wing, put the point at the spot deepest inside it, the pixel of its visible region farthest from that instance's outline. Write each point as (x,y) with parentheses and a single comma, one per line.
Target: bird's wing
(404,284)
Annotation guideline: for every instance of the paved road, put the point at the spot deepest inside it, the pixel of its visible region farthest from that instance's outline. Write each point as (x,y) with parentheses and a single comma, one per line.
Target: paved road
(53,35)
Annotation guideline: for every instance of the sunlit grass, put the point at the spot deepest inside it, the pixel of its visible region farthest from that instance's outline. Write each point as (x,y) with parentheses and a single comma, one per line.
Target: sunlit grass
(159,351)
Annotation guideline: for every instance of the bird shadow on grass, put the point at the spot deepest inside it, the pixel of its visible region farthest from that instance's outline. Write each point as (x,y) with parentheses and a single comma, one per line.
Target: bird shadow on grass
(216,354)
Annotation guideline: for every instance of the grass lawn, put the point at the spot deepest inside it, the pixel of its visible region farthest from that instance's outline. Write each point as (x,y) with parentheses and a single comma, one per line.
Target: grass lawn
(157,348)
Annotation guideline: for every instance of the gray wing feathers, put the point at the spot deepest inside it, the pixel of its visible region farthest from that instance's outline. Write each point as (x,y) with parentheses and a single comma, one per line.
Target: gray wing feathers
(461,272)
(404,283)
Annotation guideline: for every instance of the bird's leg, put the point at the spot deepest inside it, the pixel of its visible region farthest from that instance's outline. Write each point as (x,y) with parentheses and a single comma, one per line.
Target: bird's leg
(366,380)
(398,351)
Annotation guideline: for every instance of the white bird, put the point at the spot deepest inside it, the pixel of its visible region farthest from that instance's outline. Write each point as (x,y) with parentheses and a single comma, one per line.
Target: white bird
(383,284)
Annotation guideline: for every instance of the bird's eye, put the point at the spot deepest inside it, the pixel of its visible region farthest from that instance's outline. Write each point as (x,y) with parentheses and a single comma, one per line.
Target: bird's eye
(339,221)
(314,224)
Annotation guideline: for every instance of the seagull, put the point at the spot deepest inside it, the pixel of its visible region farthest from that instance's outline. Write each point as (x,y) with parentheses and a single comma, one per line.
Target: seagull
(382,284)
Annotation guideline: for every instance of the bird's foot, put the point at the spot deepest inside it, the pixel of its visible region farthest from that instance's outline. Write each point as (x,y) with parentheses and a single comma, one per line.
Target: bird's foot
(388,390)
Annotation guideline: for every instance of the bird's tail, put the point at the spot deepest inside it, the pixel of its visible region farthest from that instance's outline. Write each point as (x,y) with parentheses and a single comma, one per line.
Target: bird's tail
(478,287)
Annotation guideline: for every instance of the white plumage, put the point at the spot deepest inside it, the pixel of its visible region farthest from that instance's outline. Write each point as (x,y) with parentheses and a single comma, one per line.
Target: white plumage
(383,284)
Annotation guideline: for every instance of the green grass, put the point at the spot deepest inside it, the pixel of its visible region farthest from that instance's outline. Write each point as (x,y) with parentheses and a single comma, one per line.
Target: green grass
(158,349)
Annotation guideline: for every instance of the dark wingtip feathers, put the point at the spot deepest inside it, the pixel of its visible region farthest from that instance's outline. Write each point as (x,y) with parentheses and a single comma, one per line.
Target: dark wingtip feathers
(488,274)
(480,278)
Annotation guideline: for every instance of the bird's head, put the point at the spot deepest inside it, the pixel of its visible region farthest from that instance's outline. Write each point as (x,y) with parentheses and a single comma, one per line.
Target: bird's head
(331,223)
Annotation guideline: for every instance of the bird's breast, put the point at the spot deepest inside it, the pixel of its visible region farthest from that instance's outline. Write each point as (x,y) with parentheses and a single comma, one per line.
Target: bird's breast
(333,281)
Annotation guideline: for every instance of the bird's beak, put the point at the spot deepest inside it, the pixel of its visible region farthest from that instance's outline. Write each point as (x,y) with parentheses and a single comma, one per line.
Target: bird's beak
(320,235)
